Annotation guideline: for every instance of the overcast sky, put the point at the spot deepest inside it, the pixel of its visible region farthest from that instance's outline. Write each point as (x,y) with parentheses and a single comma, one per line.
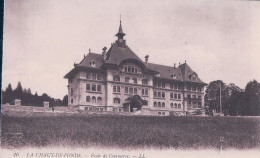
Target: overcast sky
(43,39)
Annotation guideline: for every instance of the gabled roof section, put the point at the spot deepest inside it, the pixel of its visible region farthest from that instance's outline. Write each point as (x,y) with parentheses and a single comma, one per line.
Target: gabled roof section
(116,54)
(187,72)
(97,58)
(166,72)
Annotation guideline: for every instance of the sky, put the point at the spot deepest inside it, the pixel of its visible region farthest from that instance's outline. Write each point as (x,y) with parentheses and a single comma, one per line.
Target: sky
(220,40)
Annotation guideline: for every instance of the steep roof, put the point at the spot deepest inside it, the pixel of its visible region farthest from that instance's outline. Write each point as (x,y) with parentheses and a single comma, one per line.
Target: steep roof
(116,54)
(187,71)
(92,57)
(166,72)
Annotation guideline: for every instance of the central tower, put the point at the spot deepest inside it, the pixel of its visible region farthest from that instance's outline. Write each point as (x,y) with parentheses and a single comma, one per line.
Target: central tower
(120,36)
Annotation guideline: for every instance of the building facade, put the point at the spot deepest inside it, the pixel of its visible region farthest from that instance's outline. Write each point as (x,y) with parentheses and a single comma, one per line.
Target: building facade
(111,80)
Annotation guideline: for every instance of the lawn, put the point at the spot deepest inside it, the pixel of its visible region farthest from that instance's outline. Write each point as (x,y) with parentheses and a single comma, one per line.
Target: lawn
(130,132)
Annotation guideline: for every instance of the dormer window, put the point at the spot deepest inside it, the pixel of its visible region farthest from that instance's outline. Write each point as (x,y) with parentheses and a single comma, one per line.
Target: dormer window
(92,63)
(173,76)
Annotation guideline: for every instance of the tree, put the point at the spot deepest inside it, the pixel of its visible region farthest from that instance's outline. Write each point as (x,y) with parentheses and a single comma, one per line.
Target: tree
(65,100)
(212,97)
(252,99)
(18,92)
(8,94)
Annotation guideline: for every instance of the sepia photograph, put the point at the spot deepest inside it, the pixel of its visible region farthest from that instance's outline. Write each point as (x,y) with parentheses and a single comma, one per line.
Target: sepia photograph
(130,79)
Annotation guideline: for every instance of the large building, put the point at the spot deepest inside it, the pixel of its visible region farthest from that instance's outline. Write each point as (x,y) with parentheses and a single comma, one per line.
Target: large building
(118,80)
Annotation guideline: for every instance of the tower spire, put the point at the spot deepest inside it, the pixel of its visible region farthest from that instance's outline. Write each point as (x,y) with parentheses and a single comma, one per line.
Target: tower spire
(120,35)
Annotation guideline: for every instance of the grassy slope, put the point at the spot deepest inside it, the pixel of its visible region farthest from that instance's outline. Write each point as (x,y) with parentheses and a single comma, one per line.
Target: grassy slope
(131,132)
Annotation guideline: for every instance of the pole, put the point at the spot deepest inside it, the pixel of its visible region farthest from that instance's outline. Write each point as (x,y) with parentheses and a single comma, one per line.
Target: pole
(220,98)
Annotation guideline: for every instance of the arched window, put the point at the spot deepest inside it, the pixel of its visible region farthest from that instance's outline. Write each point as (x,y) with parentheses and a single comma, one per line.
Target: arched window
(171,105)
(99,77)
(163,104)
(175,105)
(117,100)
(144,82)
(93,76)
(88,99)
(179,106)
(99,99)
(155,104)
(116,78)
(127,79)
(134,80)
(94,99)
(159,104)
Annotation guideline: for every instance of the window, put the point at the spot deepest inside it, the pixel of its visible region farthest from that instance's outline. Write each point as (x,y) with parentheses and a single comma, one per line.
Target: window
(193,96)
(163,94)
(93,76)
(199,97)
(159,104)
(71,101)
(163,85)
(154,94)
(159,94)
(163,104)
(135,90)
(179,106)
(159,113)
(179,96)
(126,90)
(88,99)
(116,89)
(134,80)
(163,113)
(179,87)
(144,82)
(131,90)
(146,91)
(88,87)
(99,77)
(127,79)
(199,105)
(94,87)
(71,91)
(136,70)
(117,100)
(173,76)
(99,88)
(125,69)
(193,88)
(116,78)
(199,89)
(159,84)
(175,105)
(92,63)
(99,99)
(188,88)
(175,86)
(175,96)
(133,69)
(88,75)
(194,78)
(154,84)
(142,91)
(94,99)
(154,104)
(171,86)
(194,105)
(189,95)
(171,95)
(171,105)
(129,69)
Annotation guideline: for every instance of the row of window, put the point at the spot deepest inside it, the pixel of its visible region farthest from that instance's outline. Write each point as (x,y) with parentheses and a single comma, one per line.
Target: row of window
(159,94)
(93,76)
(193,96)
(159,104)
(127,80)
(130,69)
(194,104)
(176,106)
(175,96)
(92,108)
(130,90)
(93,87)
(162,85)
(93,99)
(193,88)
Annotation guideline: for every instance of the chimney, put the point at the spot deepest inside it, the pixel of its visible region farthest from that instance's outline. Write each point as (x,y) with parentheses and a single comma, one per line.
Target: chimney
(104,54)
(146,59)
(174,65)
